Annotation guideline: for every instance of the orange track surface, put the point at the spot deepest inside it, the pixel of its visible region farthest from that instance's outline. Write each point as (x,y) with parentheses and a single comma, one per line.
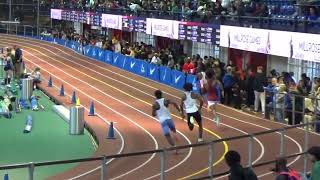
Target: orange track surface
(125,98)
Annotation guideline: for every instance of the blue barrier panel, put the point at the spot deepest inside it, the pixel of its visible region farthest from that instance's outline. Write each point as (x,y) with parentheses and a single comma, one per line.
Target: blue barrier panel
(118,59)
(94,52)
(178,79)
(101,55)
(108,57)
(79,48)
(153,72)
(50,39)
(127,62)
(142,68)
(61,41)
(87,50)
(195,82)
(133,65)
(165,75)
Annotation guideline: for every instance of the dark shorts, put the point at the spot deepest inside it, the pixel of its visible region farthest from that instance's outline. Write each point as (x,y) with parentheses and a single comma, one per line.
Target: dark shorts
(197,117)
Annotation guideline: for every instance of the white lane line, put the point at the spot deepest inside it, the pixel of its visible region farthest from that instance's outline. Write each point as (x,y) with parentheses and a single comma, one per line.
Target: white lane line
(155,88)
(152,137)
(107,122)
(190,150)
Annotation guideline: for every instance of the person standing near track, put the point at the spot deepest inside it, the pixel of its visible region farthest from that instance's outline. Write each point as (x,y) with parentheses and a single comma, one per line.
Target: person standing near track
(189,103)
(161,111)
(215,91)
(17,62)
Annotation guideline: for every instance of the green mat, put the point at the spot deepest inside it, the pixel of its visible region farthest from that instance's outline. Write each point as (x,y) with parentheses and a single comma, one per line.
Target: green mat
(49,140)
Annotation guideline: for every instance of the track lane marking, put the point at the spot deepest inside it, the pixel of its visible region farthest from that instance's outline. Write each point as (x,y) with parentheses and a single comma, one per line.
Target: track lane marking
(209,131)
(54,53)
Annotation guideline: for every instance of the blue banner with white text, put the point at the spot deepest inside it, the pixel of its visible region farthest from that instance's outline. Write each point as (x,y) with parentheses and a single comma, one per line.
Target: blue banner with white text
(178,79)
(165,75)
(153,72)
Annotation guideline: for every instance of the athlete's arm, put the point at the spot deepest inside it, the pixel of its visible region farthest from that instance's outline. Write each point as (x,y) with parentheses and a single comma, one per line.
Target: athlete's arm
(174,104)
(155,107)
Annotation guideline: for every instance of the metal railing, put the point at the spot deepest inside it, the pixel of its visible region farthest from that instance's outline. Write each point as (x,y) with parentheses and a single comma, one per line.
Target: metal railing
(163,152)
(292,106)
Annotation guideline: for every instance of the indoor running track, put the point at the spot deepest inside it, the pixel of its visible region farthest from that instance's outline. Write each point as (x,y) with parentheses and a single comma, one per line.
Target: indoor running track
(126,99)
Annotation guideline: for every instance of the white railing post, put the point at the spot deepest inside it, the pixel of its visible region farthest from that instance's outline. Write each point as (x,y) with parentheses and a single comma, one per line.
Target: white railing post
(103,167)
(282,141)
(306,143)
(162,165)
(250,150)
(31,170)
(211,158)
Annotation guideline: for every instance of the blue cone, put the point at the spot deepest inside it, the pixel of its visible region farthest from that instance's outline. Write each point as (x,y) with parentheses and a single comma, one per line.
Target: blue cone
(91,111)
(6,177)
(50,82)
(73,98)
(61,90)
(111,131)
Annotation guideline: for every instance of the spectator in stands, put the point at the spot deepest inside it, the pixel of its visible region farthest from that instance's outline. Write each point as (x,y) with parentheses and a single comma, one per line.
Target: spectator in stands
(237,172)
(312,16)
(155,59)
(279,103)
(260,81)
(117,46)
(283,171)
(228,82)
(314,152)
(307,82)
(315,85)
(248,87)
(317,110)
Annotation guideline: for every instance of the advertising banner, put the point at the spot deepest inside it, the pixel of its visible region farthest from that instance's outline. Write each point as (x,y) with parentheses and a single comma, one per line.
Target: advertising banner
(153,72)
(256,40)
(111,21)
(163,28)
(305,46)
(165,75)
(56,14)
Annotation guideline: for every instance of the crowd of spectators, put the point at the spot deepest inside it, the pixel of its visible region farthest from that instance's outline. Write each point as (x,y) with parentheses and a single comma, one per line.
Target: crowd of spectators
(204,8)
(252,89)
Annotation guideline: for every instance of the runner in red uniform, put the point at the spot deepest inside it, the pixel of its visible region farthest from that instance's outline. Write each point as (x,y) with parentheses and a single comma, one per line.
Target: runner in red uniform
(214,90)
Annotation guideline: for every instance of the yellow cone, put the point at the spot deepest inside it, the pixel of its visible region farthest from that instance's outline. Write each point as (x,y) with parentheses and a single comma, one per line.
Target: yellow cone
(78,102)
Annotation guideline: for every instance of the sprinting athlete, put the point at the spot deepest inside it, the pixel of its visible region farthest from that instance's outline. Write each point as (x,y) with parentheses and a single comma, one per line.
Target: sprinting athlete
(189,105)
(202,78)
(214,89)
(161,111)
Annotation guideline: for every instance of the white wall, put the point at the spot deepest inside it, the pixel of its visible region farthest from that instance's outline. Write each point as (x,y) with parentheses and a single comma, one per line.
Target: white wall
(278,63)
(223,54)
(143,37)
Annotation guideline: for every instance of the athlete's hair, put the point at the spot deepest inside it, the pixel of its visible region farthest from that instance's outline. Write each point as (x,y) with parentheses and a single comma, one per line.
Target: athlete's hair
(158,94)
(232,158)
(188,87)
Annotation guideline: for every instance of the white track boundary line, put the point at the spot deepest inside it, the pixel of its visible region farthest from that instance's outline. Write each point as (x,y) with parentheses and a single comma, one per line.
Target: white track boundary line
(152,137)
(107,122)
(176,96)
(83,58)
(189,154)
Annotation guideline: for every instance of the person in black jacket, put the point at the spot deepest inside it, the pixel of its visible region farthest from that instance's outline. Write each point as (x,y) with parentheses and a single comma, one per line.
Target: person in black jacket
(260,81)
(237,172)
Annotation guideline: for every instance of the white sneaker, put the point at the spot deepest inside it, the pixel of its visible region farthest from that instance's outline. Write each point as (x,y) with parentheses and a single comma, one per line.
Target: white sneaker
(200,140)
